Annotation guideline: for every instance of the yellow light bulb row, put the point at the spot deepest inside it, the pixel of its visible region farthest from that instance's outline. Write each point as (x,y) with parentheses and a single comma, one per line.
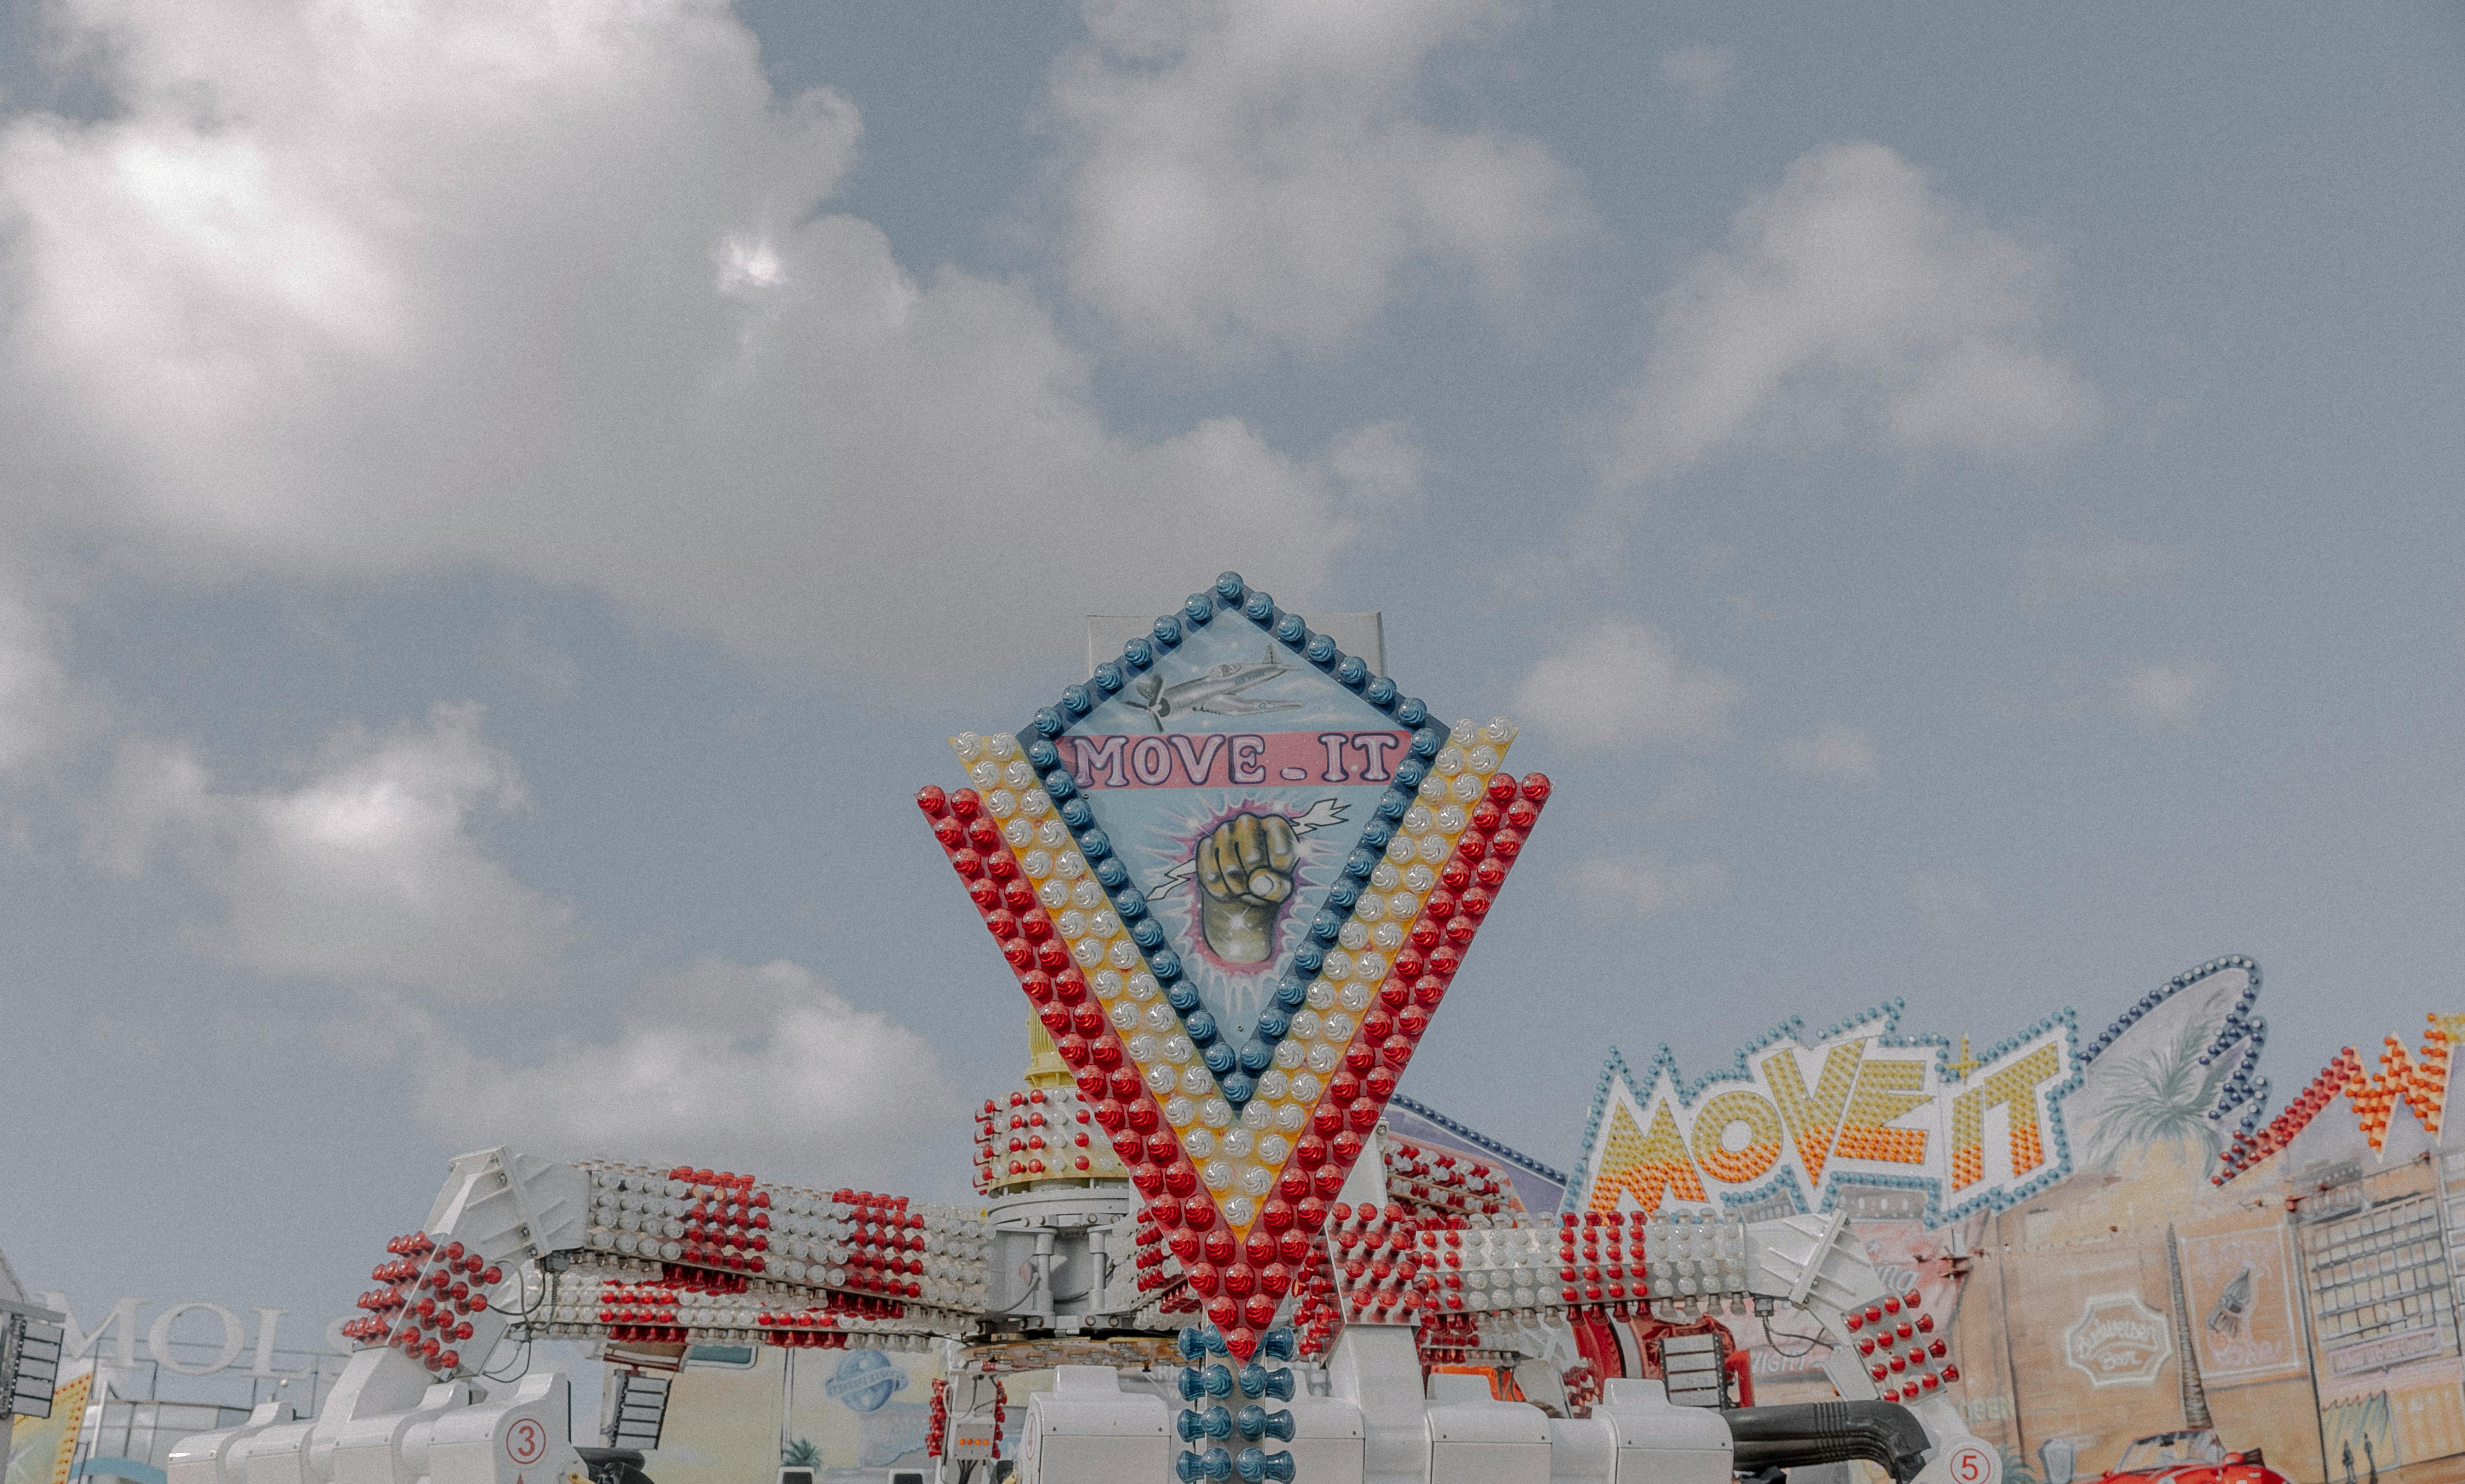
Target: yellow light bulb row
(1237,1157)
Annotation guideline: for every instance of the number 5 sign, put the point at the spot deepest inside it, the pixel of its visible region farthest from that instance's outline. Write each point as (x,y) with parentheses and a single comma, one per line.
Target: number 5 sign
(1971,1462)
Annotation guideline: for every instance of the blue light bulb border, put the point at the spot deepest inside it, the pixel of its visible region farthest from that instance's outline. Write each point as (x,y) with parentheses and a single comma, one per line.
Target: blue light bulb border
(1236,1070)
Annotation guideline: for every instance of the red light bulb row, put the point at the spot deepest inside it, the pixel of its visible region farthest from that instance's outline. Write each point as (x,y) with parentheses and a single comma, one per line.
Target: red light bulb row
(883,1244)
(1601,1262)
(2246,1151)
(1437,1178)
(1116,1095)
(1442,1254)
(1379,1268)
(938,1421)
(1157,1267)
(728,1225)
(1468,887)
(425,1306)
(1448,1338)
(1900,1349)
(1040,1135)
(641,1313)
(1318,1312)
(1241,1284)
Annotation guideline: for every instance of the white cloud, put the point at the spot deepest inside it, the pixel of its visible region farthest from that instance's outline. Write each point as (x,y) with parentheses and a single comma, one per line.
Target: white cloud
(767,1070)
(1623,682)
(43,712)
(1701,75)
(343,291)
(1647,885)
(1240,176)
(1950,902)
(2168,697)
(368,873)
(1865,305)
(1835,750)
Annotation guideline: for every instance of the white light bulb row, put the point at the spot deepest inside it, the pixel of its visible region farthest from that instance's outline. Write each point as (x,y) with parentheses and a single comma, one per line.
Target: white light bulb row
(1238,1159)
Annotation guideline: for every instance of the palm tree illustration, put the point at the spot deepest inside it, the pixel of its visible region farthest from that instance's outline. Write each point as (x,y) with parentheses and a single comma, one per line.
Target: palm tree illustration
(2162,1096)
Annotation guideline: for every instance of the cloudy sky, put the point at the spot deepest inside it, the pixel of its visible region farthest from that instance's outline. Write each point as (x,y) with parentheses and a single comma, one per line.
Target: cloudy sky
(502,503)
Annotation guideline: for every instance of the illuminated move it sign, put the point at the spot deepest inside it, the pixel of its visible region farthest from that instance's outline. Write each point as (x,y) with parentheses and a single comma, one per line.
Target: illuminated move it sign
(1855,1106)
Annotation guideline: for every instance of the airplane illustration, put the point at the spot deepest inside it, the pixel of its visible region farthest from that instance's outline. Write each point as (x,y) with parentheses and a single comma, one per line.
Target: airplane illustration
(1219,692)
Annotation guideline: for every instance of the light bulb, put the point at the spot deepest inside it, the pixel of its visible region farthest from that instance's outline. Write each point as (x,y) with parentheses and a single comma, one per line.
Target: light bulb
(1178,1049)
(1274,1149)
(1273,1084)
(1418,819)
(1238,1142)
(1323,1058)
(1161,1077)
(1291,1117)
(1218,1174)
(1001,804)
(1306,1088)
(966,745)
(1434,847)
(1196,1081)
(1257,1179)
(1157,1016)
(1466,788)
(1034,804)
(1483,760)
(1384,878)
(1354,997)
(1337,1028)
(1001,746)
(1052,834)
(1289,1054)
(1123,955)
(1179,1112)
(1450,820)
(1018,835)
(1143,984)
(1215,1112)
(1240,1211)
(985,774)
(1419,879)
(1450,761)
(1124,1017)
(1087,896)
(1198,1143)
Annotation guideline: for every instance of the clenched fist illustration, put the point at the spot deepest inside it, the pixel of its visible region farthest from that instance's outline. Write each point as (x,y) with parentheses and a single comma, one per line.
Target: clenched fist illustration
(1245,873)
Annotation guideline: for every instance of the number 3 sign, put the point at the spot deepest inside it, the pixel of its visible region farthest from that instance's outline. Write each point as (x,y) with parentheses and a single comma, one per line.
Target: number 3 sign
(525,1441)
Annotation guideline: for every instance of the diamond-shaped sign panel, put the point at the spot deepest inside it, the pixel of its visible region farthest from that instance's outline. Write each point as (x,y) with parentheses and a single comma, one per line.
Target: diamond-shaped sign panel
(1236,935)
